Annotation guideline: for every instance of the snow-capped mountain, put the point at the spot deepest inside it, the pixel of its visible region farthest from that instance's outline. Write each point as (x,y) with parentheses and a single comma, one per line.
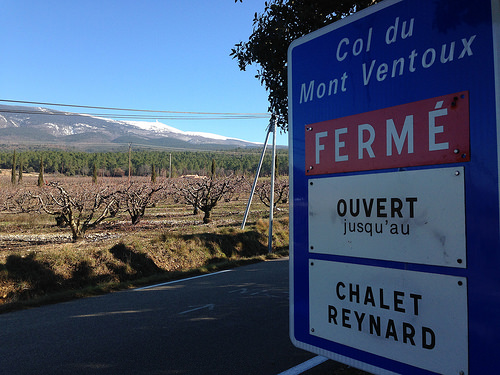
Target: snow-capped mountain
(21,125)
(163,129)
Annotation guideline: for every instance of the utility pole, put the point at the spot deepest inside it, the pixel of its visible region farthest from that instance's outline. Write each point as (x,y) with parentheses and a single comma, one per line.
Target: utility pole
(247,211)
(272,128)
(271,198)
(170,167)
(129,161)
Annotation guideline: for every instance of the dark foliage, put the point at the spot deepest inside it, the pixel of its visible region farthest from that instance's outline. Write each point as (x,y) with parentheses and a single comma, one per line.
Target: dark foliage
(115,164)
(281,22)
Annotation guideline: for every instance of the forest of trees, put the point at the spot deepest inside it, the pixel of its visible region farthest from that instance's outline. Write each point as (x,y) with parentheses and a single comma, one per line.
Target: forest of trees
(112,164)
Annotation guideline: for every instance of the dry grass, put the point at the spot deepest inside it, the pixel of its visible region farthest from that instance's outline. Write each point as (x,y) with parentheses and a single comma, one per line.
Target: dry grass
(38,259)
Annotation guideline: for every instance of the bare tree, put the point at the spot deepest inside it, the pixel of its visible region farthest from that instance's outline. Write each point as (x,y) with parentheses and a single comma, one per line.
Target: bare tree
(137,197)
(281,188)
(204,193)
(188,189)
(20,201)
(16,199)
(81,207)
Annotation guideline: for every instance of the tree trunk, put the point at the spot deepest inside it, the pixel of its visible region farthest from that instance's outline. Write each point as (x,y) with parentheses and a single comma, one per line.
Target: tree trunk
(76,231)
(206,218)
(135,217)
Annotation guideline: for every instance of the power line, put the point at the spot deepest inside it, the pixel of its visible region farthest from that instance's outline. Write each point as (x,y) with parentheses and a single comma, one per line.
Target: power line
(138,117)
(135,110)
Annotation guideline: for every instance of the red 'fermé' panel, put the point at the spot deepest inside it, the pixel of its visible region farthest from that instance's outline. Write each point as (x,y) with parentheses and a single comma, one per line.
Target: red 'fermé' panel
(427,132)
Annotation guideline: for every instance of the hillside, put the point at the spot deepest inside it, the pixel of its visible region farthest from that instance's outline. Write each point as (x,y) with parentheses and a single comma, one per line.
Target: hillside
(28,127)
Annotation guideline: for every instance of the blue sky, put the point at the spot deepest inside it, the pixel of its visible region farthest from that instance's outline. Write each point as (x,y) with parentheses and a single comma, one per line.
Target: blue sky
(150,54)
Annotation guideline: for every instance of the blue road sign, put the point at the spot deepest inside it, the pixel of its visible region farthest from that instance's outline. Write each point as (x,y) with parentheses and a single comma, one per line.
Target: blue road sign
(394,181)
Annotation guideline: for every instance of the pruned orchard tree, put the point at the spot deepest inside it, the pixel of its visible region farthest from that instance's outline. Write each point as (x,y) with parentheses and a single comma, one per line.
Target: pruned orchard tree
(81,206)
(203,193)
(18,200)
(137,197)
(188,190)
(281,188)
(281,22)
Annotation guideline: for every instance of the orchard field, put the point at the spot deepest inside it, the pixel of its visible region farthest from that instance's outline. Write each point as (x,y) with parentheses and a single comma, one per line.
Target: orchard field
(82,235)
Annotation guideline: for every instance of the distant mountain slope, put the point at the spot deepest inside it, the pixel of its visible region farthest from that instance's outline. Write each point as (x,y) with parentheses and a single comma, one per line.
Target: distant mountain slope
(20,125)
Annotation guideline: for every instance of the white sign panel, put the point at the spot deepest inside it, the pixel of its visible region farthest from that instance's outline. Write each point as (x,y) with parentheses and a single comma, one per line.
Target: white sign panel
(409,216)
(397,314)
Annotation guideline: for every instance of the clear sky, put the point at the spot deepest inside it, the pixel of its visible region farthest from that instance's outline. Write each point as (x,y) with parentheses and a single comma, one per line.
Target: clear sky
(170,55)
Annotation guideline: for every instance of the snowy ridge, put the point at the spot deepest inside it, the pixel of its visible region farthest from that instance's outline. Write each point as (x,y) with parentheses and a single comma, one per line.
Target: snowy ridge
(154,126)
(160,127)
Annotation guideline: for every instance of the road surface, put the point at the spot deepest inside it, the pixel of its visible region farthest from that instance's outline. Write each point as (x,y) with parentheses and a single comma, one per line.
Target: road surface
(234,322)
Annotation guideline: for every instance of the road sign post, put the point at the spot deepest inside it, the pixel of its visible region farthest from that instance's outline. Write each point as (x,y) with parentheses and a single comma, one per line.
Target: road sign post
(394,181)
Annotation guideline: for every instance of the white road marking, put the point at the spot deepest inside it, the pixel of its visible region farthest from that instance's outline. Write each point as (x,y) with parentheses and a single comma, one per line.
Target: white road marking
(181,280)
(307,365)
(209,306)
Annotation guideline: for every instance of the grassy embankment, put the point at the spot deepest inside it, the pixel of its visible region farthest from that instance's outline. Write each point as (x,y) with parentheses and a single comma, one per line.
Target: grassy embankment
(39,264)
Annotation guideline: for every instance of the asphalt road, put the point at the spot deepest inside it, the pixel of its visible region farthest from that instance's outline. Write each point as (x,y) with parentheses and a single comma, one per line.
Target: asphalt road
(234,322)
